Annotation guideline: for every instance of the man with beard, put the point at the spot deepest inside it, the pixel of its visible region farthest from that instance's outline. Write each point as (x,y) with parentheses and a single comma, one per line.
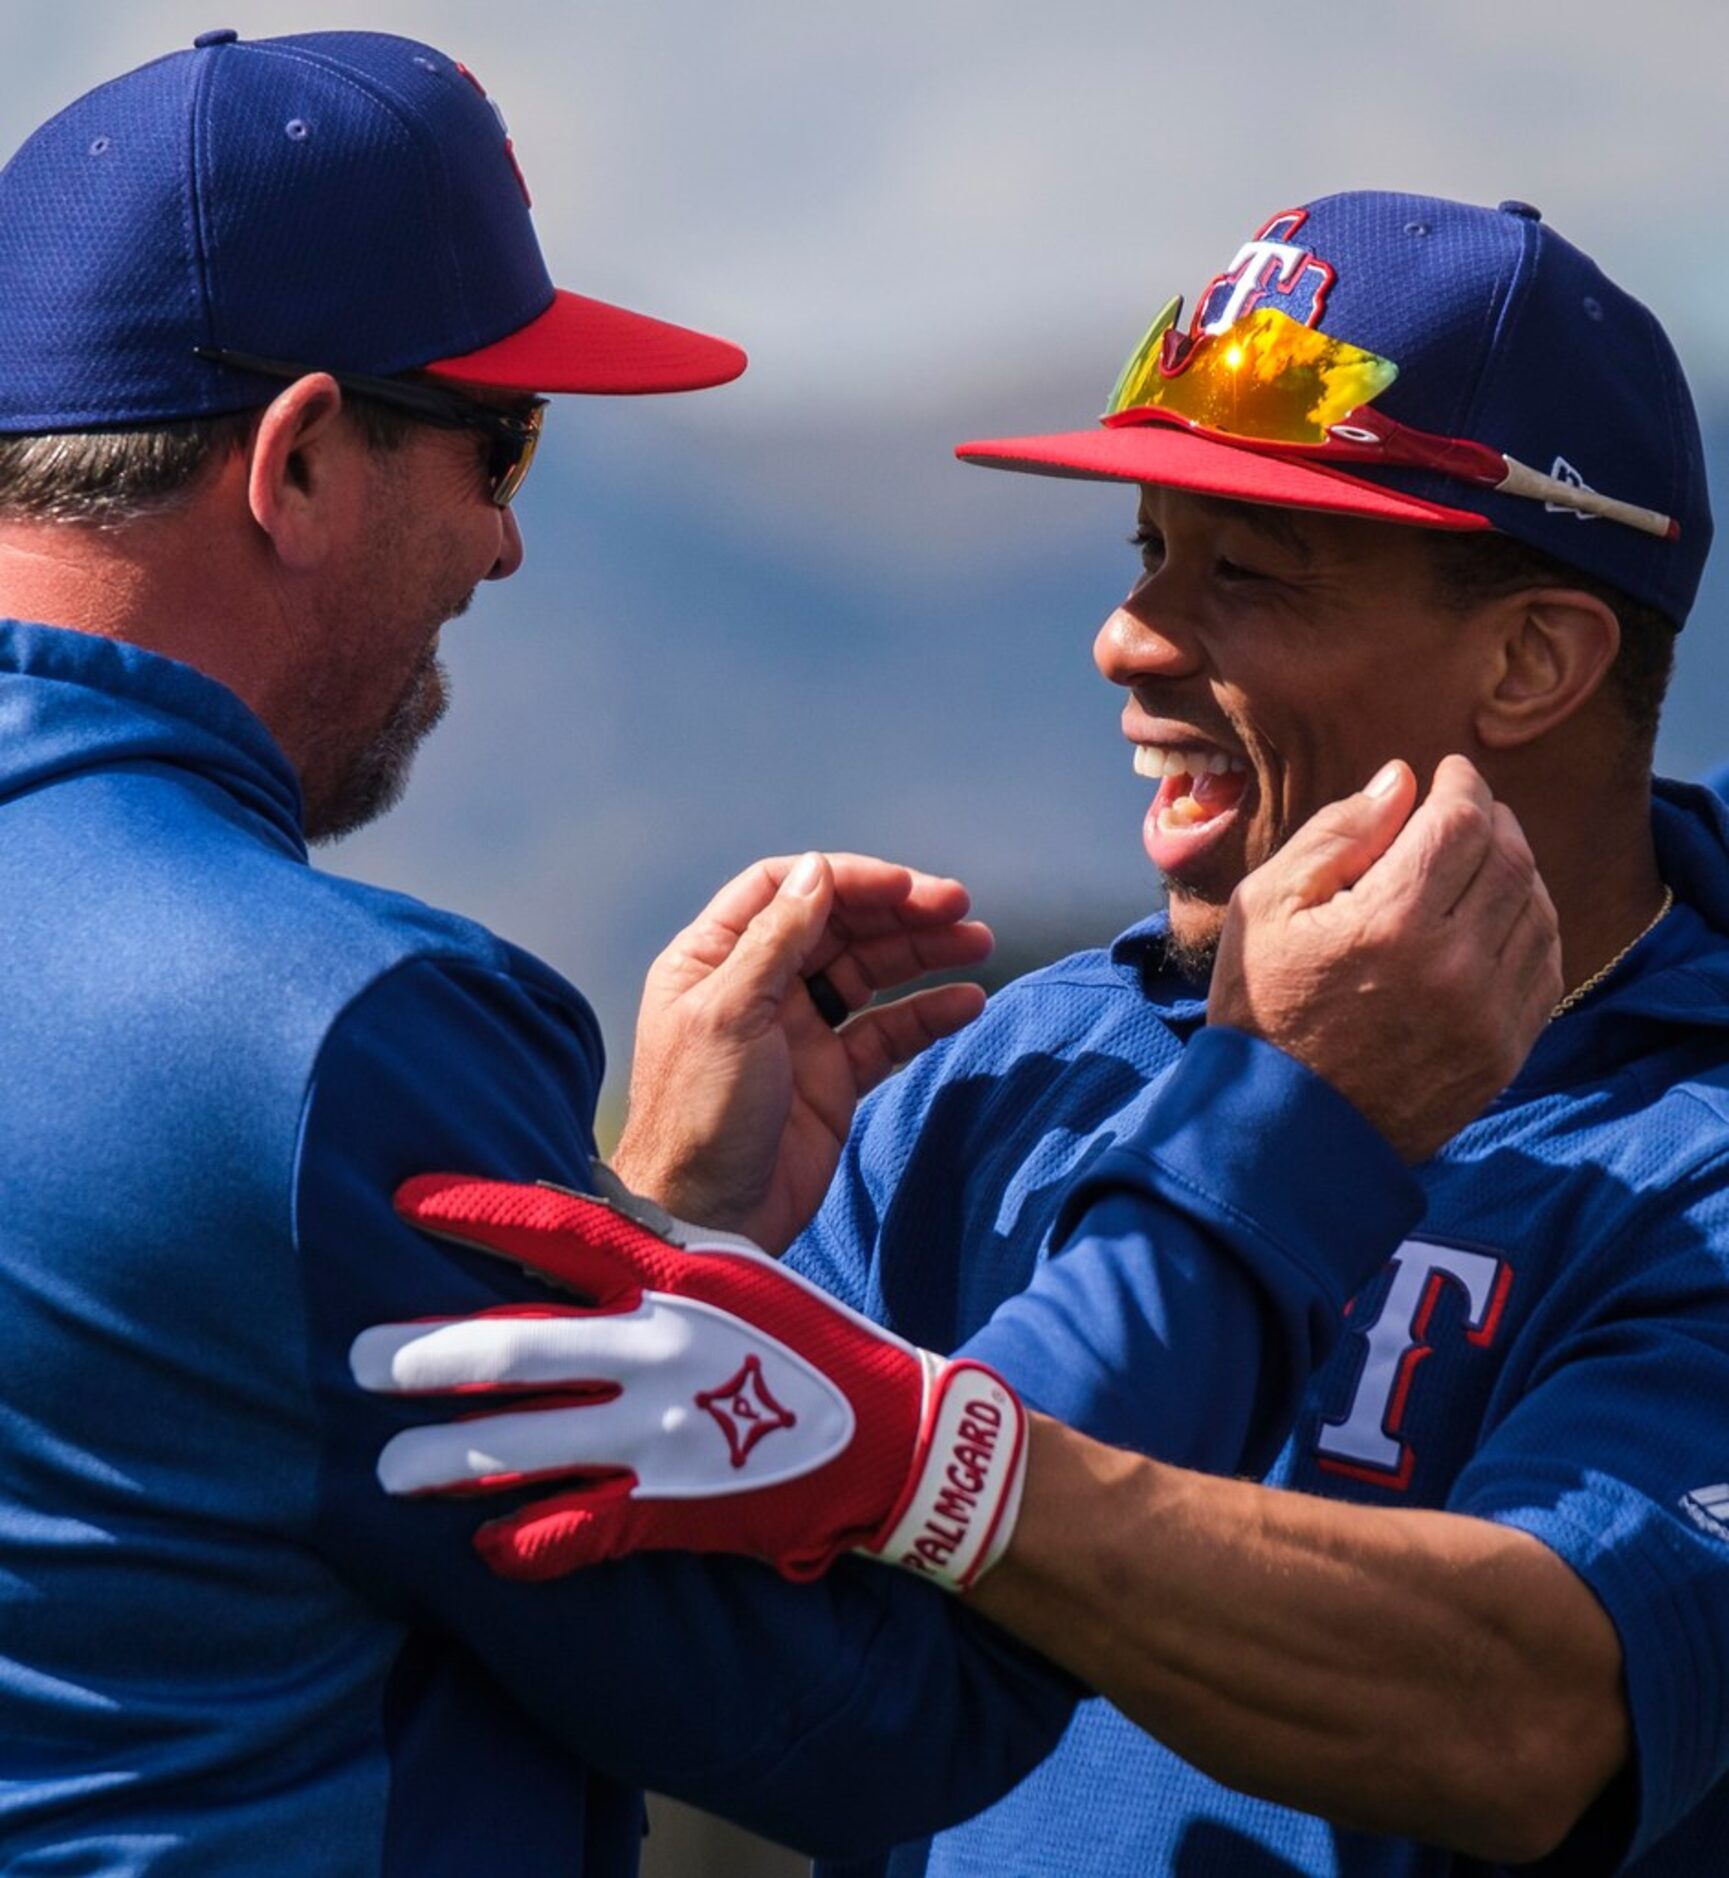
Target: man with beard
(273,329)
(1417,479)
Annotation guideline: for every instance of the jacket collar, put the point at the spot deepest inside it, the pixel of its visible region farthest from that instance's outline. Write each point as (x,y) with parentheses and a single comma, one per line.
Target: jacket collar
(70,701)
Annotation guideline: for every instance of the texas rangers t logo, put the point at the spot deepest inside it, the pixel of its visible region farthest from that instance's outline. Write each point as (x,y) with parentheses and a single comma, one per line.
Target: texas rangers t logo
(746,1410)
(504,131)
(1271,270)
(1365,1442)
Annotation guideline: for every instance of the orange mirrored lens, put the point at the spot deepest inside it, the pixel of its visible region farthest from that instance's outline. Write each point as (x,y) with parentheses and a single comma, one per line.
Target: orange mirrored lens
(512,457)
(1265,377)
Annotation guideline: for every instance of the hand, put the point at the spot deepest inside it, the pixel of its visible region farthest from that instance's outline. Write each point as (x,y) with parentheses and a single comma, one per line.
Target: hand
(1411,959)
(741,1094)
(705,1400)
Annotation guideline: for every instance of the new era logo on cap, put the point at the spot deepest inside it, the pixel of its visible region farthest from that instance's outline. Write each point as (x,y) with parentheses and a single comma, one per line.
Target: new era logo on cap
(1508,349)
(1708,1508)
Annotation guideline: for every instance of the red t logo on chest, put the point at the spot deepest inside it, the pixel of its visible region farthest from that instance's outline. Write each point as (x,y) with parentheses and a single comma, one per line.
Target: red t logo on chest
(1364,1442)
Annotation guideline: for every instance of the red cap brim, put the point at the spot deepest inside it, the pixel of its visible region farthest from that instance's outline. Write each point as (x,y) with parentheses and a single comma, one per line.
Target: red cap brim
(579,344)
(1179,459)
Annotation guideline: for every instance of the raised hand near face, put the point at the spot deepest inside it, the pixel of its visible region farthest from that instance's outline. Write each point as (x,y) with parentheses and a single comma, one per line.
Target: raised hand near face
(741,1091)
(1406,952)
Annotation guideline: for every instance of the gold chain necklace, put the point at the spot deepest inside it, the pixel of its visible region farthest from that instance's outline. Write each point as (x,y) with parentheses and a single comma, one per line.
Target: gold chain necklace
(1603,971)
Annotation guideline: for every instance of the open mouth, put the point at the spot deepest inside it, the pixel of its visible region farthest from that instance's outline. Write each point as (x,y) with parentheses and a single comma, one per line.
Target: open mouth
(1201,788)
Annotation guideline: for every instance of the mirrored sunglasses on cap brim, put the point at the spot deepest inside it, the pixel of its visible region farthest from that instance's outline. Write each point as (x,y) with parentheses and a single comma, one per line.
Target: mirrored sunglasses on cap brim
(1270,384)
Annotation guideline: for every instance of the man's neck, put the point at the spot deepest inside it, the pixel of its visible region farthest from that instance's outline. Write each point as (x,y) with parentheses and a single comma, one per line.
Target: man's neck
(1595,851)
(165,583)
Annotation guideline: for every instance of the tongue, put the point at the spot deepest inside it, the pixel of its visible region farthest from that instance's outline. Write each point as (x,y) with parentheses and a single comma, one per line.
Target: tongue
(1187,801)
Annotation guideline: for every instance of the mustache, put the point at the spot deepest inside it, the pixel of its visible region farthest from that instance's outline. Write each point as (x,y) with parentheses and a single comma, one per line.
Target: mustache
(1202,715)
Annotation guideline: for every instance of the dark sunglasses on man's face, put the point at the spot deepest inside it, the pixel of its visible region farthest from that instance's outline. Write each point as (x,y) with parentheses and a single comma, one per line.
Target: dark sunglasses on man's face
(512,436)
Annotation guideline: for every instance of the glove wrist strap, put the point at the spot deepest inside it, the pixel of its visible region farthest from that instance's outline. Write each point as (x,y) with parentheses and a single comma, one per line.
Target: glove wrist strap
(968,1476)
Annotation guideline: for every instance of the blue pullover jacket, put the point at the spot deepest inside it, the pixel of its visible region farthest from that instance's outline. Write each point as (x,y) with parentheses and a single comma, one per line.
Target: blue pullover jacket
(222,1648)
(1552,1351)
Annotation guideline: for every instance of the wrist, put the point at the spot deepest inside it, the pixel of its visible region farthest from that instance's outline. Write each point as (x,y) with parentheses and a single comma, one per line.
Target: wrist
(661,1180)
(962,1500)
(1093,1518)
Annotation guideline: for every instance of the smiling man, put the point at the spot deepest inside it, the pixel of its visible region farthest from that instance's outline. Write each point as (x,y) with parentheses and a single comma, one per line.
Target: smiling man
(1417,478)
(274,330)
(1478,1615)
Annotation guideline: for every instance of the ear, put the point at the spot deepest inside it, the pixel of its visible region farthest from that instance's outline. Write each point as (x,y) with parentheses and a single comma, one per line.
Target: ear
(1554,648)
(303,481)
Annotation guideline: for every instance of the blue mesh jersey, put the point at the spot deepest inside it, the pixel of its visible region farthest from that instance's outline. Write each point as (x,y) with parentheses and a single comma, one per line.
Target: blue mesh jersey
(1549,1349)
(222,1648)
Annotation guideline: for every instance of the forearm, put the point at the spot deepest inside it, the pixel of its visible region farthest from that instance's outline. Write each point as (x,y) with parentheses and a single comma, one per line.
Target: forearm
(1401,1671)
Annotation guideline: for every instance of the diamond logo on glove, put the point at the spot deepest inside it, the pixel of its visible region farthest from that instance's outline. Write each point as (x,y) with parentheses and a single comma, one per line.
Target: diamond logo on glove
(746,1410)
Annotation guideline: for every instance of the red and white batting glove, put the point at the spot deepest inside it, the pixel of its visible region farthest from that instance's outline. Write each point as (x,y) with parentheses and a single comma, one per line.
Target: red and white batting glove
(702,1400)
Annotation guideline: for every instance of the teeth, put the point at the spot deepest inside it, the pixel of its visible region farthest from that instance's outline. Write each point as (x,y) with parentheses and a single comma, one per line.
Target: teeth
(1156,761)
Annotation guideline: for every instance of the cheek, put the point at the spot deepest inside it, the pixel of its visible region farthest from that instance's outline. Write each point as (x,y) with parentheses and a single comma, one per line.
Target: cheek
(1311,752)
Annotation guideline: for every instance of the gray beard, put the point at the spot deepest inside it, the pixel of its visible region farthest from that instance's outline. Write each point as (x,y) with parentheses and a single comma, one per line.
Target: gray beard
(377,775)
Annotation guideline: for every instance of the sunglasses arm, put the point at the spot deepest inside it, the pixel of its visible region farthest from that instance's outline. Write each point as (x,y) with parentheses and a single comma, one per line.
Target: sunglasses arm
(1374,433)
(1521,480)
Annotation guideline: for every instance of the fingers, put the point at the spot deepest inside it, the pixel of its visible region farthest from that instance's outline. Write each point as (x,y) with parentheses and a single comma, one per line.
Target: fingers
(551,1537)
(1339,844)
(1436,855)
(873,895)
(778,945)
(1530,953)
(1504,885)
(579,1244)
(866,924)
(865,890)
(860,968)
(1530,961)
(881,1040)
(490,1453)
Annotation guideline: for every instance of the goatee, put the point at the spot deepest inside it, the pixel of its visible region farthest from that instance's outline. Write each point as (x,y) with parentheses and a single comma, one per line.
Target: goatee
(373,781)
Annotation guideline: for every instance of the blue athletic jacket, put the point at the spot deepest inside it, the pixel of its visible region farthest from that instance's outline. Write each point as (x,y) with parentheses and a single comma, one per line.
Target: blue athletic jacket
(1550,1349)
(222,1649)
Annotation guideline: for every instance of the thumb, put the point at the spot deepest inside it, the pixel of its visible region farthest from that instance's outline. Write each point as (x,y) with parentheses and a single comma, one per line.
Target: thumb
(773,948)
(1338,845)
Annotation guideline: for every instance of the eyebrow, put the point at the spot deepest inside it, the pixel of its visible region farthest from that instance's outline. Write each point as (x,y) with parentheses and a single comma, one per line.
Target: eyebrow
(1279,526)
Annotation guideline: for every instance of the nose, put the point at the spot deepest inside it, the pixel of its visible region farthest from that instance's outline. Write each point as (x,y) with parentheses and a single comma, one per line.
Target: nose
(509,547)
(1139,642)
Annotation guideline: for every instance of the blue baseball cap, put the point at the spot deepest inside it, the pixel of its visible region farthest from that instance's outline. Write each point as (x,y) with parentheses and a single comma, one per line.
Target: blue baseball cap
(1511,347)
(349,200)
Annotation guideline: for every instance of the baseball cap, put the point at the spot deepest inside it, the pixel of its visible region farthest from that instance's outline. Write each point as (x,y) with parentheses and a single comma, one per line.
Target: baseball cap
(347,199)
(1468,336)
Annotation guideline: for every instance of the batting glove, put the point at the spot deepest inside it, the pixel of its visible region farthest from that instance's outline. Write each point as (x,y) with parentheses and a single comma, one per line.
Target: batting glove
(701,1399)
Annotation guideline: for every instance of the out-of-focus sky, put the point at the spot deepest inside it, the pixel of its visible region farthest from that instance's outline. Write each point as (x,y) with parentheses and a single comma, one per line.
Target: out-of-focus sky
(779,614)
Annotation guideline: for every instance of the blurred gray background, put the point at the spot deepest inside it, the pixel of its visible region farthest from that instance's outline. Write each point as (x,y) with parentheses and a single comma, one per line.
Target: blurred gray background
(779,615)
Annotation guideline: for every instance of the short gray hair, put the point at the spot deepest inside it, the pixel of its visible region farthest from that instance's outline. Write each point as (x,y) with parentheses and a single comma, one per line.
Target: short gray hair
(104,478)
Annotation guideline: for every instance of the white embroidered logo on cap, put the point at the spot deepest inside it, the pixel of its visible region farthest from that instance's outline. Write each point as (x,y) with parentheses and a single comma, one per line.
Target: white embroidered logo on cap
(1564,472)
(1708,1508)
(1272,270)
(504,130)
